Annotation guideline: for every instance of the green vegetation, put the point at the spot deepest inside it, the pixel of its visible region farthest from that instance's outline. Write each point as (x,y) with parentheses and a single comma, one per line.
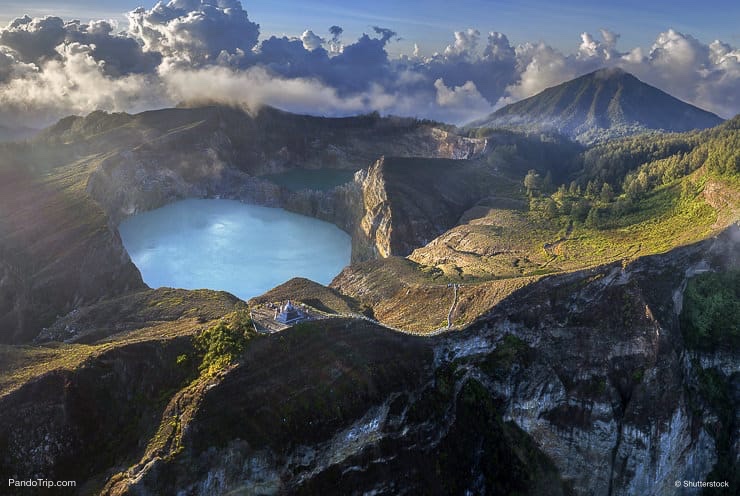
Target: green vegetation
(643,195)
(512,151)
(509,351)
(710,318)
(635,165)
(221,344)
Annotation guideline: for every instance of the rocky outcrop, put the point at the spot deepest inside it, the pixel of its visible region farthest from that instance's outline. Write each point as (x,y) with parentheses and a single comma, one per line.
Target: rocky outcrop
(596,372)
(208,159)
(410,201)
(324,417)
(74,425)
(223,152)
(59,250)
(576,384)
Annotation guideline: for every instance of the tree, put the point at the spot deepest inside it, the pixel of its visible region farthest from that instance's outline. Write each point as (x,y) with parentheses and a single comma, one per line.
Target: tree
(561,192)
(566,208)
(607,193)
(593,219)
(580,210)
(574,189)
(591,189)
(551,209)
(532,181)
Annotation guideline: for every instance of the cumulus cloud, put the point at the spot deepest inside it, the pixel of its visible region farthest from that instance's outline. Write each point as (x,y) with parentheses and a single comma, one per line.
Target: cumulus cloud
(465,102)
(195,32)
(311,41)
(706,75)
(209,49)
(36,41)
(11,67)
(73,82)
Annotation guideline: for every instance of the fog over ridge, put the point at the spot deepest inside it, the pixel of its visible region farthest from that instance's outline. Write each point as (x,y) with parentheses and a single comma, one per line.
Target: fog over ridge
(209,50)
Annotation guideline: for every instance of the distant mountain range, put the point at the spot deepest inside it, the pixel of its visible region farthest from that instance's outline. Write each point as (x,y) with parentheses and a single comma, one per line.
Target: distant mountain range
(604,104)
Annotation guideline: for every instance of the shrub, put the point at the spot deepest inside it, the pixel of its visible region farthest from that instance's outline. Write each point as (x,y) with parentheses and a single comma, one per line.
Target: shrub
(221,344)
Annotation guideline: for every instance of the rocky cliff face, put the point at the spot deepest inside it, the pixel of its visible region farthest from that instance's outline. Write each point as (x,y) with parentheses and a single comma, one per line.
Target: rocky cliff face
(576,384)
(380,421)
(407,202)
(221,152)
(60,250)
(72,425)
(204,160)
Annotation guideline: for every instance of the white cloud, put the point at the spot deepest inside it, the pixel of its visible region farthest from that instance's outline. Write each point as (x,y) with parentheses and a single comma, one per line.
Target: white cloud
(195,32)
(462,103)
(466,42)
(311,41)
(74,83)
(208,49)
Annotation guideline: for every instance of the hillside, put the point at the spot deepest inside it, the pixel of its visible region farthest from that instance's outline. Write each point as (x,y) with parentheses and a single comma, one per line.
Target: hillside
(522,315)
(604,104)
(64,192)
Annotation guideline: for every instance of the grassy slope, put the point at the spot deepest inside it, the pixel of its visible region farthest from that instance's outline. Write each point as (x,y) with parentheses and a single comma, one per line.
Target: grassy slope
(150,315)
(499,247)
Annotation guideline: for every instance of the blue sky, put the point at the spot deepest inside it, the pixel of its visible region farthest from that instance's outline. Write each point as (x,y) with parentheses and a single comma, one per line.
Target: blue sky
(431,23)
(209,49)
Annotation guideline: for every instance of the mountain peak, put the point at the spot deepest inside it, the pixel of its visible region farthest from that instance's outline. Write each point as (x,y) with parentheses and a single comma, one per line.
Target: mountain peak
(603,104)
(608,72)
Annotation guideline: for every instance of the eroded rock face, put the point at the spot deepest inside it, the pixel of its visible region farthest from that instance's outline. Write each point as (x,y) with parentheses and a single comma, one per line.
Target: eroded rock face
(596,372)
(71,425)
(221,152)
(351,409)
(60,250)
(576,384)
(410,201)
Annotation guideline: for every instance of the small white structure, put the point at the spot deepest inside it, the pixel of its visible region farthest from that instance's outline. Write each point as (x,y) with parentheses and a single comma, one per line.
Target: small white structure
(289,314)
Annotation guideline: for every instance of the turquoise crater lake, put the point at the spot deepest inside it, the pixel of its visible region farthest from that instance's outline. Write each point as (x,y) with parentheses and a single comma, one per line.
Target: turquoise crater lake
(230,246)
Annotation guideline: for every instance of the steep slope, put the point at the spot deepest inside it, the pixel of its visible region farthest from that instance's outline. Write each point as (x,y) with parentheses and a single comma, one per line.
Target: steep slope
(603,104)
(577,384)
(63,194)
(676,189)
(57,249)
(410,201)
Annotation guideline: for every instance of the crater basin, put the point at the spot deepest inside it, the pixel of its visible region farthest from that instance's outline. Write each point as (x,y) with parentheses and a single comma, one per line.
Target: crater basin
(231,246)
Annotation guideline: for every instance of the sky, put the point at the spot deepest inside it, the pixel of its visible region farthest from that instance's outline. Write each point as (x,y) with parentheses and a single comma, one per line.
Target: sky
(430,22)
(451,61)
